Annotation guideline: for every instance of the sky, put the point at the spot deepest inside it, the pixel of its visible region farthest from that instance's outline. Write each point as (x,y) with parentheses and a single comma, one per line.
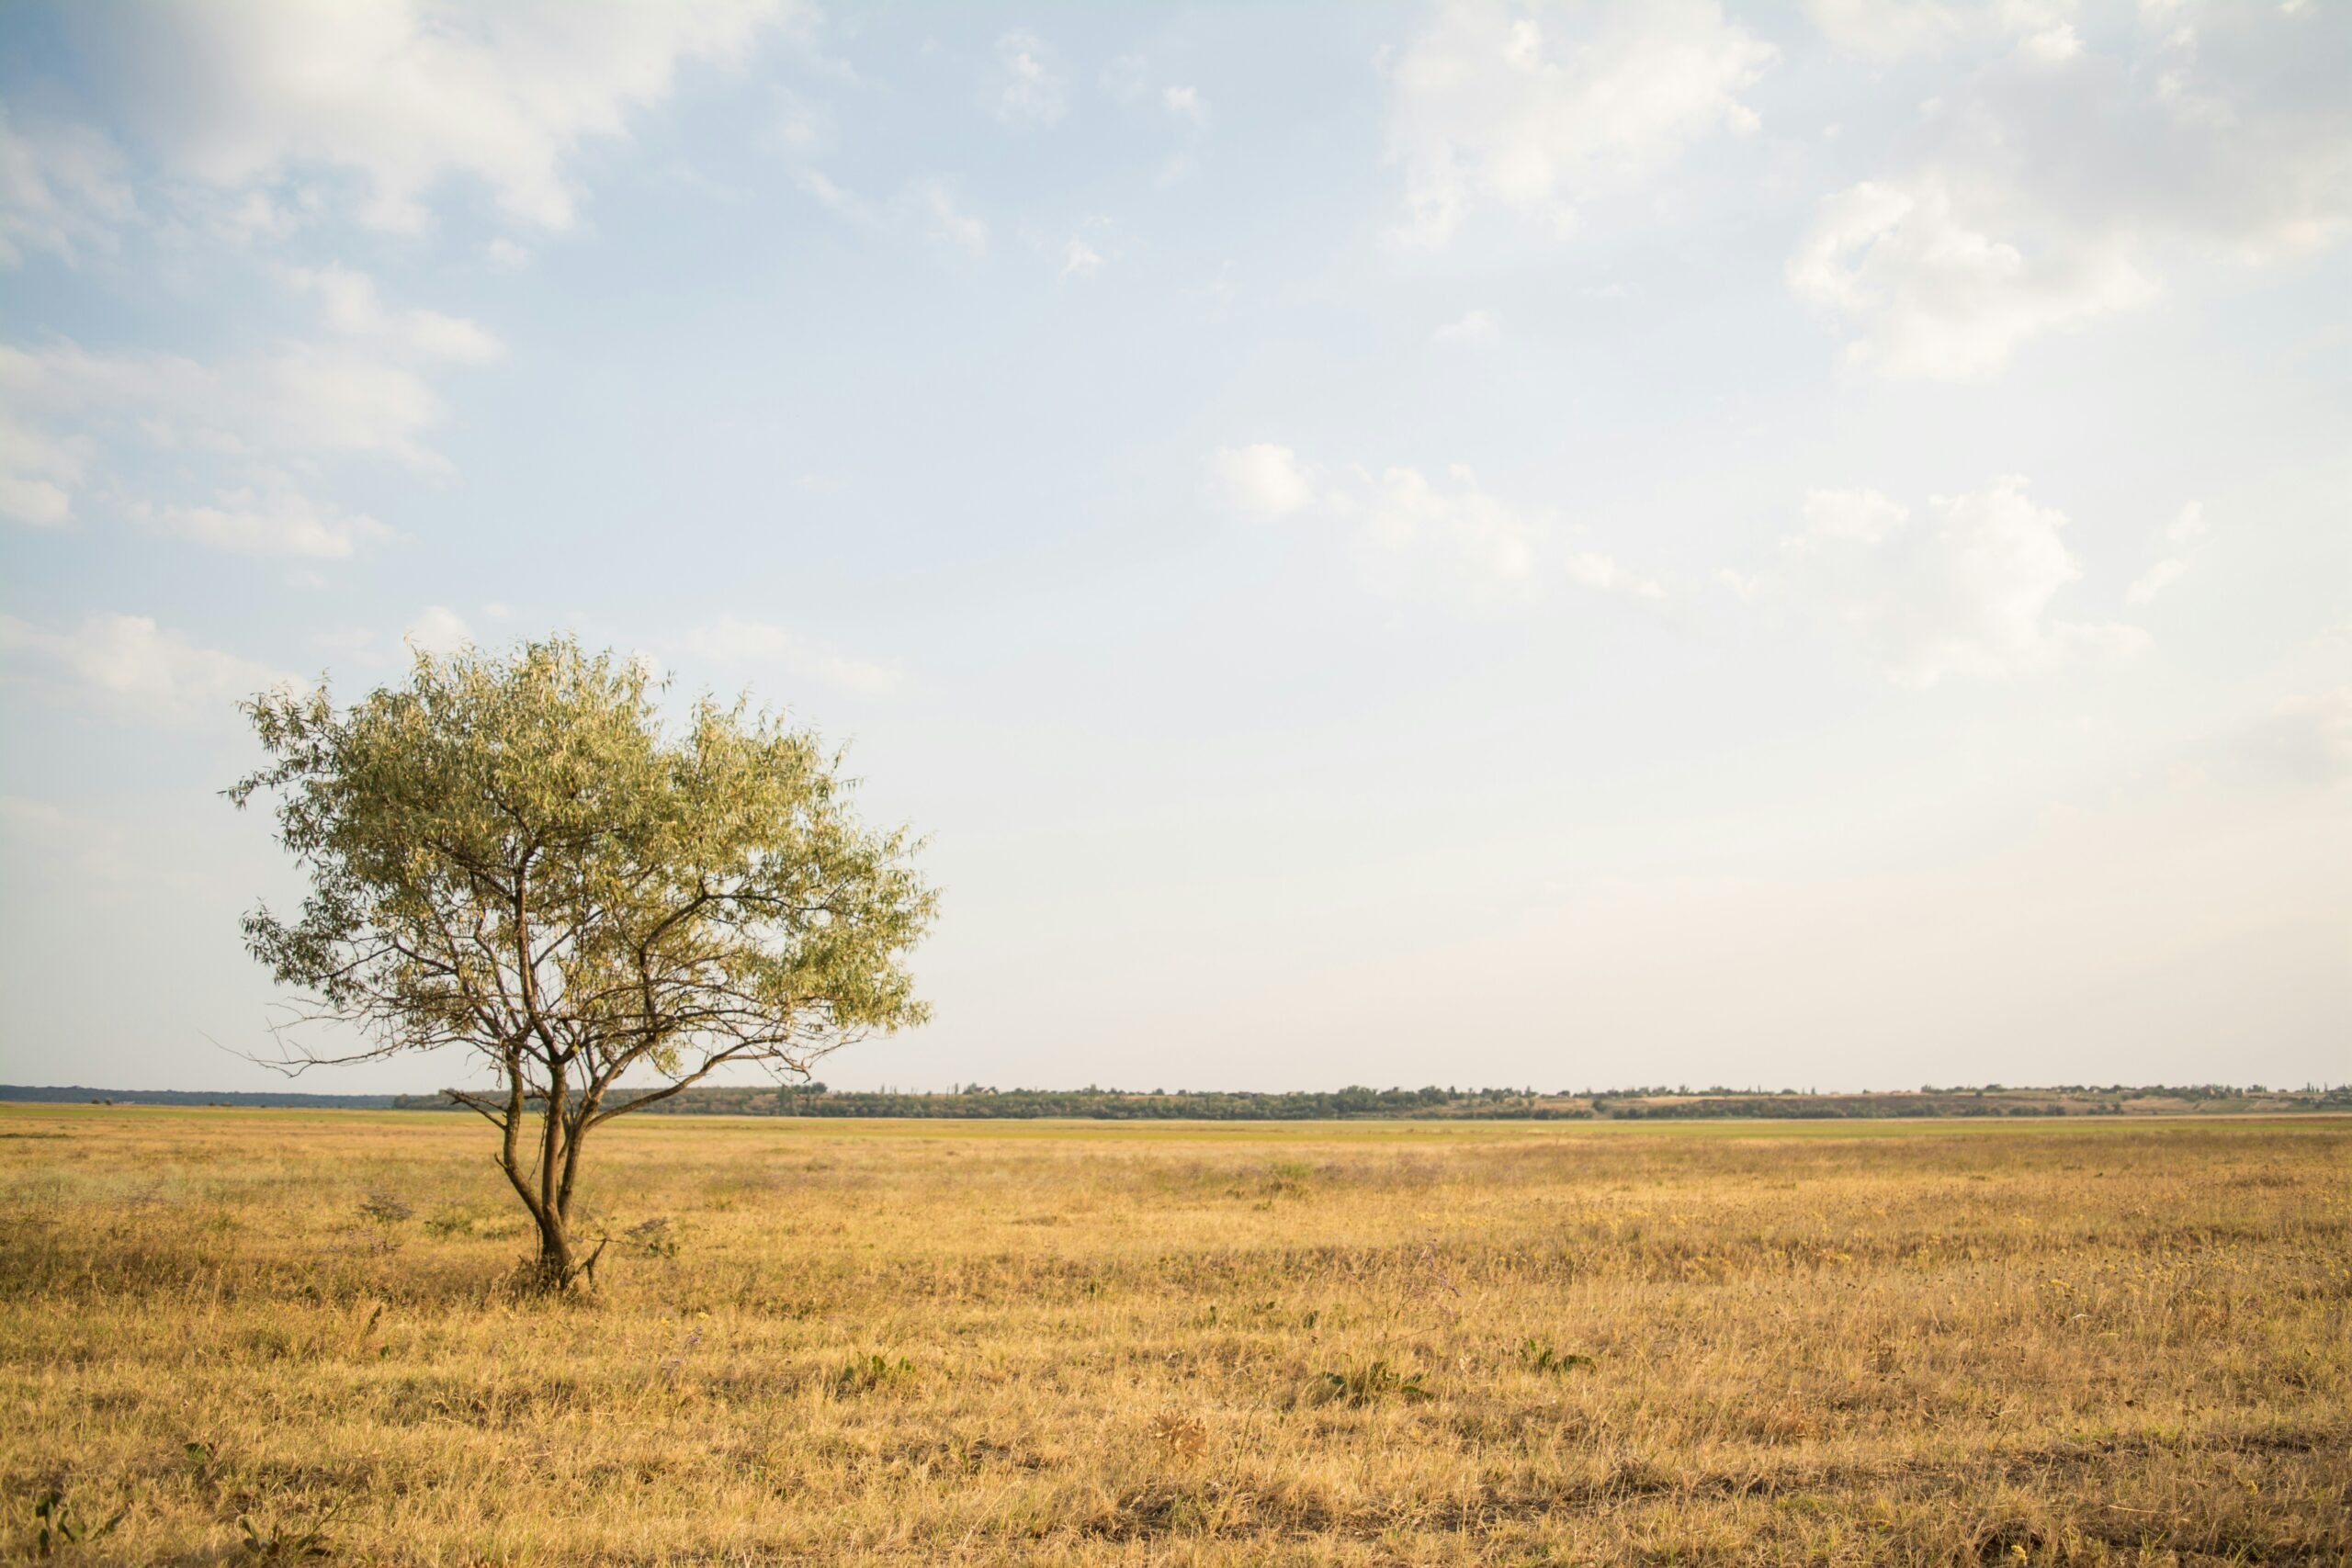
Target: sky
(1557,544)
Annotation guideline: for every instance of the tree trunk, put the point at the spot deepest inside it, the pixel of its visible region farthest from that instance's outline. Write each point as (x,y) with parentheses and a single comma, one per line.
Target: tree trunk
(557,1266)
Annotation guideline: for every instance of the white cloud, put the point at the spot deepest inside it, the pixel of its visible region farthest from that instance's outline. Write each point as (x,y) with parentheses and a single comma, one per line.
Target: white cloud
(1489,105)
(732,640)
(1478,326)
(966,232)
(1088,250)
(130,663)
(296,398)
(2045,198)
(296,401)
(408,93)
(1745,586)
(1027,87)
(37,470)
(506,256)
(1969,594)
(62,192)
(2051,46)
(2306,739)
(2155,581)
(1889,30)
(2186,529)
(1863,516)
(1127,80)
(1461,530)
(438,336)
(927,209)
(1264,478)
(1595,570)
(255,216)
(365,389)
(348,297)
(1935,297)
(353,306)
(34,502)
(1885,30)
(273,520)
(831,195)
(1414,533)
(438,629)
(800,127)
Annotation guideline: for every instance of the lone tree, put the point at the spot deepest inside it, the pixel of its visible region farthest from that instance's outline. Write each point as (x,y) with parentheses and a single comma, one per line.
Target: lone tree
(512,853)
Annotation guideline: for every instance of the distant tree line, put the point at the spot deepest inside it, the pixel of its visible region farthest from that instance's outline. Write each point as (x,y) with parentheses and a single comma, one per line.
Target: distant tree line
(1357,1102)
(980,1101)
(977,1102)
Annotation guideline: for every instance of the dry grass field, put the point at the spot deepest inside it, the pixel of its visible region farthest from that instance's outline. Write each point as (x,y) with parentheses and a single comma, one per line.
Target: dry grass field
(258,1334)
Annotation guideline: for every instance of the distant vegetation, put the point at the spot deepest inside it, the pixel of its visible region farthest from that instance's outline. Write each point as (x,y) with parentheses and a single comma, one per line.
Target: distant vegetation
(1430,1103)
(79,1094)
(1434,1102)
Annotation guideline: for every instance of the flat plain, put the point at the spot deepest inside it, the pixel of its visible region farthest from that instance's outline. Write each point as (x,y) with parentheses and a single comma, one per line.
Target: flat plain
(251,1335)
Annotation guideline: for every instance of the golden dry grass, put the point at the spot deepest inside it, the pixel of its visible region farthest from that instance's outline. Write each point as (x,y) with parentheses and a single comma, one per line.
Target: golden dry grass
(896,1343)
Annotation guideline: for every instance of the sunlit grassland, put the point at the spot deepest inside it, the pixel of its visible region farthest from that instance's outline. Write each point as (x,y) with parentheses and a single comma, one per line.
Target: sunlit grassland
(1373,1342)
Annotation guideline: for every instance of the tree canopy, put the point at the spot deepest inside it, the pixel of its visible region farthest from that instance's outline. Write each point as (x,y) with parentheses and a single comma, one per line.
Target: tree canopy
(515,854)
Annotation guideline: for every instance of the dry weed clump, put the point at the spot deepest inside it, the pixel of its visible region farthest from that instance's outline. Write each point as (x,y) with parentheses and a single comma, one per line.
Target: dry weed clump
(269,1335)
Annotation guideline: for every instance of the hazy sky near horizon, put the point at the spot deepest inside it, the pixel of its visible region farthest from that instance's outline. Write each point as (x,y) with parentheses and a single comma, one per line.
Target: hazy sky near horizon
(1558,544)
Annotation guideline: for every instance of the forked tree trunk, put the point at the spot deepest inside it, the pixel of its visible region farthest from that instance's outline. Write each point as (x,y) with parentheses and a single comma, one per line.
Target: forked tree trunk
(557,1267)
(542,1176)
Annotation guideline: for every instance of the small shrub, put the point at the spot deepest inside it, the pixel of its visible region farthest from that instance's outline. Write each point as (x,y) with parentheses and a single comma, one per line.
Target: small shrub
(1288,1177)
(1371,1383)
(386,1210)
(865,1373)
(1538,1357)
(654,1237)
(286,1542)
(1178,1433)
(55,1524)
